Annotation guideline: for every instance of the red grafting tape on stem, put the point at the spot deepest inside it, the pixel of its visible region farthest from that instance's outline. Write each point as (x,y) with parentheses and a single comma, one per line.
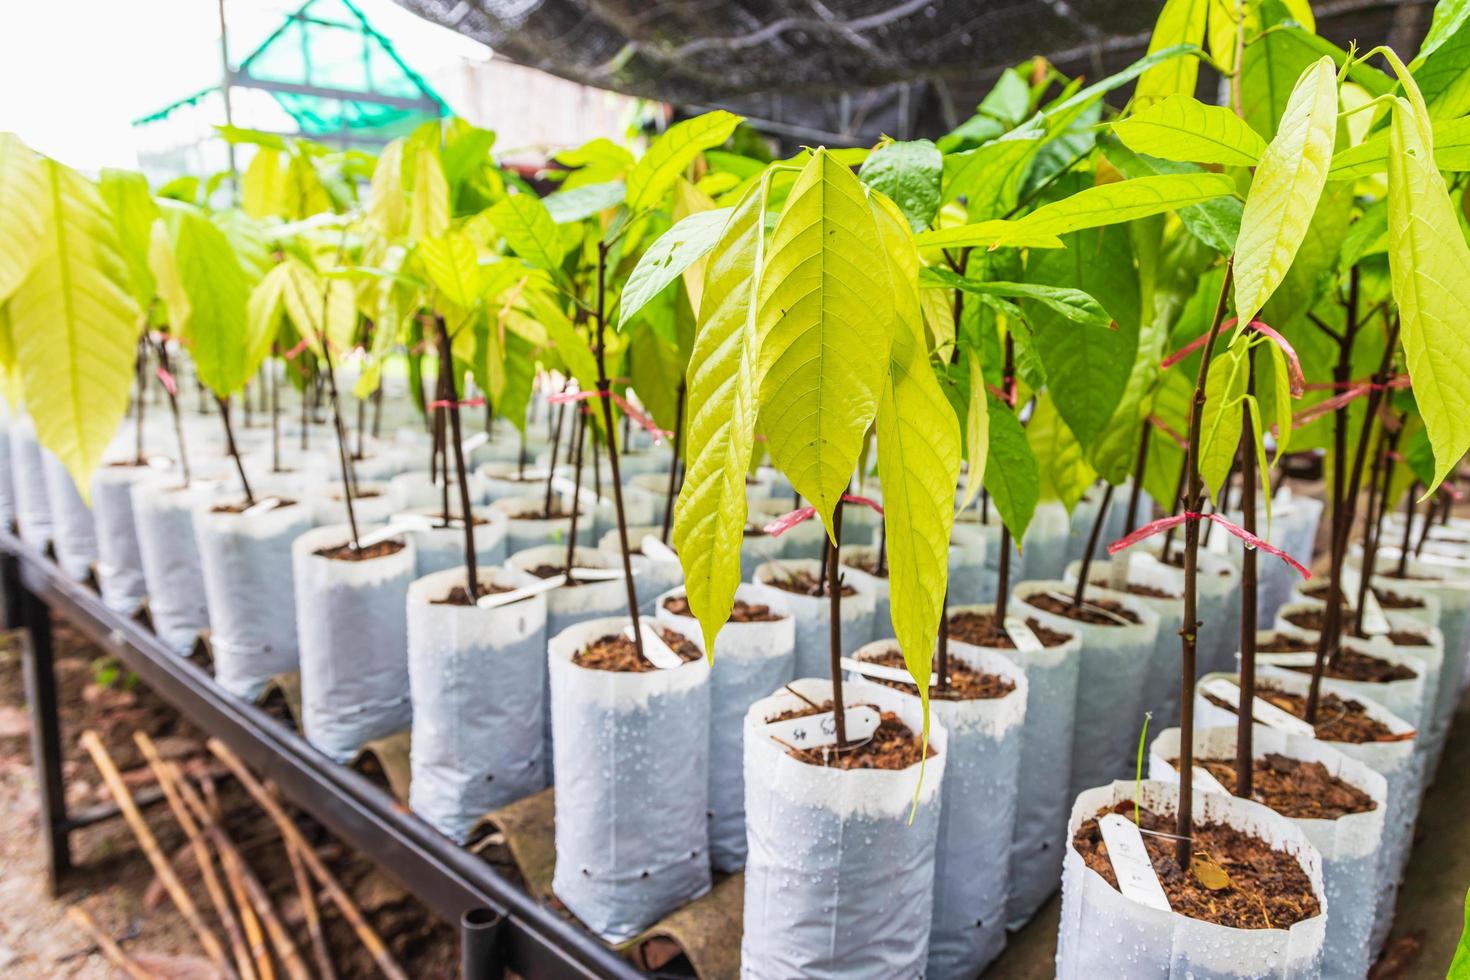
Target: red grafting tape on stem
(786,522)
(643,421)
(1451,492)
(1163,427)
(1355,390)
(295,352)
(475,402)
(1251,540)
(1007,398)
(1294,363)
(168,381)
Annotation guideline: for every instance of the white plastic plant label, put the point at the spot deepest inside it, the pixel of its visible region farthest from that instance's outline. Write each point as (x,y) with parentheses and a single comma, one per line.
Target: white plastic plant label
(819,730)
(655,550)
(598,574)
(1137,879)
(567,488)
(655,650)
(880,672)
(262,507)
(1021,635)
(493,600)
(160,463)
(399,525)
(1262,710)
(1304,658)
(474,442)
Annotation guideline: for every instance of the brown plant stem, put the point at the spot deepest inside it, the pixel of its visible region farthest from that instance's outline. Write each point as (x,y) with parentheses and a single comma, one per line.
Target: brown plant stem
(1135,492)
(561,411)
(1003,577)
(1092,538)
(1403,567)
(342,457)
(139,457)
(581,424)
(674,465)
(834,624)
(446,367)
(1383,466)
(173,407)
(224,414)
(1249,586)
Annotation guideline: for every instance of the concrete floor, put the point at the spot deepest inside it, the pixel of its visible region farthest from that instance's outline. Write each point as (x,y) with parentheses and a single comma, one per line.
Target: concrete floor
(1431,900)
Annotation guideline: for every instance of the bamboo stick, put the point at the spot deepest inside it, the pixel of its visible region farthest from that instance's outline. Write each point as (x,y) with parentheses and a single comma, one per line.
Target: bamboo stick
(320,951)
(105,943)
(149,844)
(201,855)
(255,893)
(289,832)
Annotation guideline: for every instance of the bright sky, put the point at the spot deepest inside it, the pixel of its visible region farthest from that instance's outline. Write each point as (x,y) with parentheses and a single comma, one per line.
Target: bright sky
(74,74)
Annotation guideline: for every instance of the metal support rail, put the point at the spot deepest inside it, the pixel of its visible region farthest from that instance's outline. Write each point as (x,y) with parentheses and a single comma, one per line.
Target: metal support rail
(459,887)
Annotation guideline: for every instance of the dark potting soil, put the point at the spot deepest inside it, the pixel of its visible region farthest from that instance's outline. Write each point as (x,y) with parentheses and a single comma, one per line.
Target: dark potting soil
(1285,643)
(618,653)
(1293,788)
(1089,612)
(893,746)
(1338,719)
(442,524)
(241,506)
(1133,588)
(556,512)
(1312,619)
(805,583)
(460,596)
(866,565)
(743,612)
(1387,598)
(983,631)
(1351,665)
(345,551)
(1266,888)
(965,682)
(548,571)
(358,495)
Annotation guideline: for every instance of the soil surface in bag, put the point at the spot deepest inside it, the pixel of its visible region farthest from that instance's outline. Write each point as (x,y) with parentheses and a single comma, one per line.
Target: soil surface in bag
(805,583)
(1091,611)
(864,565)
(346,552)
(893,746)
(541,513)
(1387,598)
(357,495)
(743,612)
(965,682)
(981,630)
(1311,619)
(241,506)
(1338,719)
(549,571)
(1350,665)
(1260,888)
(460,596)
(1134,588)
(618,653)
(1293,787)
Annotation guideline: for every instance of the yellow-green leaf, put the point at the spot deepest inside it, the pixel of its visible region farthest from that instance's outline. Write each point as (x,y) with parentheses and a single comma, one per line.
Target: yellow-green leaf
(217,295)
(1284,193)
(133,212)
(653,175)
(1281,396)
(22,202)
(319,306)
(74,326)
(263,185)
(1430,267)
(263,316)
(825,322)
(723,383)
(987,234)
(453,267)
(1180,22)
(525,224)
(428,205)
(977,431)
(1220,422)
(387,207)
(1183,128)
(1120,201)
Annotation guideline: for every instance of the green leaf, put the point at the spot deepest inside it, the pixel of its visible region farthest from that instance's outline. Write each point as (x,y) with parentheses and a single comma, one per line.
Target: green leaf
(1126,200)
(1451,152)
(428,205)
(1460,965)
(73,324)
(1220,422)
(1216,222)
(133,212)
(453,267)
(218,294)
(987,234)
(918,461)
(909,173)
(1071,304)
(1287,185)
(263,184)
(825,323)
(1011,473)
(525,224)
(319,307)
(977,431)
(989,177)
(1430,267)
(263,316)
(576,203)
(653,175)
(1281,394)
(387,207)
(22,201)
(667,258)
(1065,474)
(1180,22)
(722,408)
(1183,128)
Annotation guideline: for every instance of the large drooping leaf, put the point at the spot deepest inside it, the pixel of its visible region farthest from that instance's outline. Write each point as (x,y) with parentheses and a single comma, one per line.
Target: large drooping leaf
(825,322)
(669,255)
(453,268)
(1070,303)
(1126,200)
(1220,422)
(22,202)
(1183,128)
(263,187)
(523,221)
(977,431)
(387,206)
(1444,78)
(909,173)
(918,462)
(263,312)
(1451,152)
(1180,22)
(133,212)
(1287,185)
(1215,222)
(217,293)
(1430,266)
(989,176)
(1065,474)
(722,407)
(319,307)
(1011,473)
(654,173)
(1274,60)
(428,203)
(990,233)
(73,325)
(576,203)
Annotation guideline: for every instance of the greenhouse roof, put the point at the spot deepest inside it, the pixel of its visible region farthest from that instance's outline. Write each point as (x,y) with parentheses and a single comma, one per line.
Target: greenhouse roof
(333,73)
